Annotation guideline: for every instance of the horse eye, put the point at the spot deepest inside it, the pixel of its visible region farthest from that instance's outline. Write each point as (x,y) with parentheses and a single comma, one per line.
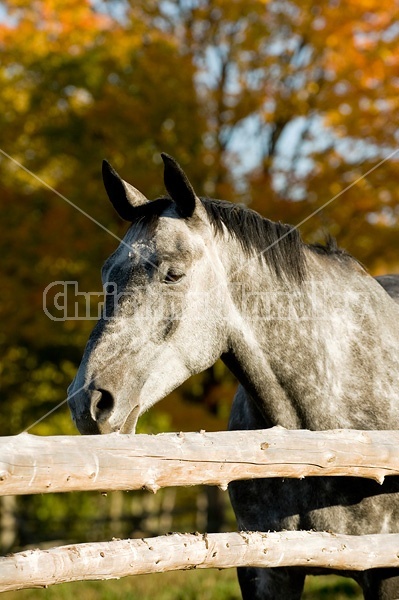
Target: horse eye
(173,277)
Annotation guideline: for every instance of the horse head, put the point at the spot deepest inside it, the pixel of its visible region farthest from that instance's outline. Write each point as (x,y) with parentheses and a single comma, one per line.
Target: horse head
(164,315)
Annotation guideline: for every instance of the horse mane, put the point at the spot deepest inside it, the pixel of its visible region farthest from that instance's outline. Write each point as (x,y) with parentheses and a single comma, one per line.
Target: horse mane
(279,244)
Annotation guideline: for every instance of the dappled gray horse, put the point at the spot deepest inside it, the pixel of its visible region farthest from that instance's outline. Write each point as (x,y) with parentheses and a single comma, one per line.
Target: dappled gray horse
(312,338)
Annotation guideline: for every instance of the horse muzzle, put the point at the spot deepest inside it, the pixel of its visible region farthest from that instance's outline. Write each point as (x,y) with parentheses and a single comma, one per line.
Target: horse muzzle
(94,411)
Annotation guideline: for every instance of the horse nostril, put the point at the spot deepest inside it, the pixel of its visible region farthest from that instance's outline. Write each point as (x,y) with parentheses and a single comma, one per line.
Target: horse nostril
(102,405)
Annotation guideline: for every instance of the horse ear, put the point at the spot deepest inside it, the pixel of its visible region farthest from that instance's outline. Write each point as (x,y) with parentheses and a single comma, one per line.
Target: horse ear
(178,186)
(123,196)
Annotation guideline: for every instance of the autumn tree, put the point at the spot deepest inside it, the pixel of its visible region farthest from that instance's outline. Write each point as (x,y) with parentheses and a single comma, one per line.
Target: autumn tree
(301,101)
(77,85)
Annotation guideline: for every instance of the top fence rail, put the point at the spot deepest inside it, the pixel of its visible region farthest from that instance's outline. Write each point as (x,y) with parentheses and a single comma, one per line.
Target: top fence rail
(36,465)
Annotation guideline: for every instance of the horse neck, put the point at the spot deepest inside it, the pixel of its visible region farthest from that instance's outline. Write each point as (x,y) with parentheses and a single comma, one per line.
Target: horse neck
(286,336)
(261,302)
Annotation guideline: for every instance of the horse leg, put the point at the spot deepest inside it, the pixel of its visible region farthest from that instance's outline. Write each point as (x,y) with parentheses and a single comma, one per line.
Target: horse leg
(380,584)
(270,584)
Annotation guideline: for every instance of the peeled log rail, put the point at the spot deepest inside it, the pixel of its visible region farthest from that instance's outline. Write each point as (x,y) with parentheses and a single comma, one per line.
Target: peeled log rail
(119,558)
(35,465)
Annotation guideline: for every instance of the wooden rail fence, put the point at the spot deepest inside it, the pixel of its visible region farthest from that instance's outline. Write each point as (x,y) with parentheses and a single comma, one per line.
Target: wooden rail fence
(33,465)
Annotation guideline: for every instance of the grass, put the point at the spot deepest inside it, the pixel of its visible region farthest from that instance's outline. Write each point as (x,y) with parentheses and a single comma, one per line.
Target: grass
(204,584)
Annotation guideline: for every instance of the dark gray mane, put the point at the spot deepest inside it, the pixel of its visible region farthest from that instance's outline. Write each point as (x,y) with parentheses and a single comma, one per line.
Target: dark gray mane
(280,245)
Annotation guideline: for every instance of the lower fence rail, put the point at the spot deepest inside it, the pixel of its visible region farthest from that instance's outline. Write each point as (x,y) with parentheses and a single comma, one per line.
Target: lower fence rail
(179,551)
